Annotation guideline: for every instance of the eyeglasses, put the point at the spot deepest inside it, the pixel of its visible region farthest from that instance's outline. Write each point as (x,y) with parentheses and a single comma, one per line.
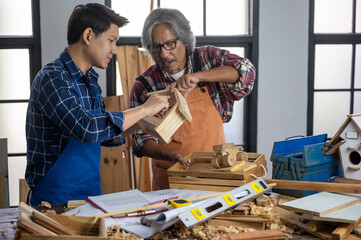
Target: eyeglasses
(167,46)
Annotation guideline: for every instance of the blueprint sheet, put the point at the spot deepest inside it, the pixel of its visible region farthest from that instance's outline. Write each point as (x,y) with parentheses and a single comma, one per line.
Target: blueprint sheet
(132,199)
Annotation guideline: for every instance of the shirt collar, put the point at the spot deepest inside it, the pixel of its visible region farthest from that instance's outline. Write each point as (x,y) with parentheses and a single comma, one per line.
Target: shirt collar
(74,70)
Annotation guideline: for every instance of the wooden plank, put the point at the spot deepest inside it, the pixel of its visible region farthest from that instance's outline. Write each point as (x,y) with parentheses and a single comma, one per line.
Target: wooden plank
(51,225)
(207,181)
(261,235)
(316,186)
(292,219)
(258,226)
(204,168)
(201,187)
(29,213)
(29,225)
(4,194)
(131,57)
(38,237)
(243,218)
(145,184)
(342,231)
(321,203)
(350,214)
(23,190)
(2,183)
(115,161)
(122,65)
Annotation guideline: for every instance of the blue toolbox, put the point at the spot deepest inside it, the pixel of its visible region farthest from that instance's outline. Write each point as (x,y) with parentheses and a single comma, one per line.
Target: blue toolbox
(303,159)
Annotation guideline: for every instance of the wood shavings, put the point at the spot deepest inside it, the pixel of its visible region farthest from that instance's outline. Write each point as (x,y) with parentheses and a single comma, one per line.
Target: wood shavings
(115,233)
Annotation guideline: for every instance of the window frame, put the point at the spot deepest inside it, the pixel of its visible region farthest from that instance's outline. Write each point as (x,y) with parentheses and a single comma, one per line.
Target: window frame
(251,45)
(326,38)
(33,44)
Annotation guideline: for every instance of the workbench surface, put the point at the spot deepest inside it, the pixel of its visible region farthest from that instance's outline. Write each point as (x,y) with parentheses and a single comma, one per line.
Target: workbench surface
(9,216)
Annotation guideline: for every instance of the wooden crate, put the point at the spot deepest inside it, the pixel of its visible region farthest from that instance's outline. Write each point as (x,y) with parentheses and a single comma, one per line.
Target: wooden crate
(88,228)
(201,175)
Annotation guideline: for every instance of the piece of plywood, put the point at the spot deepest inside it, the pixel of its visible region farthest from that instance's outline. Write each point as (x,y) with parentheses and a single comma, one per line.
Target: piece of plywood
(115,170)
(349,214)
(321,203)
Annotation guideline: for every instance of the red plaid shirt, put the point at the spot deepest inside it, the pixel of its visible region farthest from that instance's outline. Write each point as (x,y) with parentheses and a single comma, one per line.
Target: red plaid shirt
(222,94)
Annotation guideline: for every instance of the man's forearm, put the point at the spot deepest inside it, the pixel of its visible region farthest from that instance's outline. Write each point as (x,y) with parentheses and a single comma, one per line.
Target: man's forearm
(221,74)
(153,150)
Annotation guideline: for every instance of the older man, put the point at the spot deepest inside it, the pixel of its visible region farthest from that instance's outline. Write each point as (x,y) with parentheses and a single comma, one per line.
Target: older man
(211,78)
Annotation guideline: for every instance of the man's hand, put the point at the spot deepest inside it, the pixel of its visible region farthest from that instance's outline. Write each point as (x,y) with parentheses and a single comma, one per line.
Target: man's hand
(175,157)
(186,83)
(156,104)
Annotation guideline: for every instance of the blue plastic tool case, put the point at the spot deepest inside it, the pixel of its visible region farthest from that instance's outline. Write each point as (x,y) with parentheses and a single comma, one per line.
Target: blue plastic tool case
(303,159)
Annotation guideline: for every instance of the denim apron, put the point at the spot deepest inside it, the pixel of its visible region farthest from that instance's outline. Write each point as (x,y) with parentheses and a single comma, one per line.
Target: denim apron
(75,174)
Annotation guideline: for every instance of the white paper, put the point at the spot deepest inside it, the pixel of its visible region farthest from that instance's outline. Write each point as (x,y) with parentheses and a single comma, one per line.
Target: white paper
(132,224)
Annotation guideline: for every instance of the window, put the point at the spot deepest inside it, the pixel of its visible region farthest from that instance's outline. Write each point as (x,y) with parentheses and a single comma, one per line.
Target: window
(19,62)
(237,33)
(334,64)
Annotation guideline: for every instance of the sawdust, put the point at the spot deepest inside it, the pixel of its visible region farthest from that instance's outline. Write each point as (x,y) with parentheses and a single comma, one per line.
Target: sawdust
(205,231)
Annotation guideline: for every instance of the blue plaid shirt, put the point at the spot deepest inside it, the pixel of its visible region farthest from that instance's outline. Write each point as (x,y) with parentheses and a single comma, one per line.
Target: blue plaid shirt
(55,114)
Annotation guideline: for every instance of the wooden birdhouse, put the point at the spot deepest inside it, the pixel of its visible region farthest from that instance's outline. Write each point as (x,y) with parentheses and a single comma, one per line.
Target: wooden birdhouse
(348,142)
(164,128)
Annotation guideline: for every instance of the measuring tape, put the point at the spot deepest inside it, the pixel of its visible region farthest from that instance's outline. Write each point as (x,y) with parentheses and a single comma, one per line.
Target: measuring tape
(179,203)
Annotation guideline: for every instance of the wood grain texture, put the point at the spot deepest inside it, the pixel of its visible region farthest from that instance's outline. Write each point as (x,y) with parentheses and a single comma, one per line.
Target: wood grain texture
(321,203)
(316,186)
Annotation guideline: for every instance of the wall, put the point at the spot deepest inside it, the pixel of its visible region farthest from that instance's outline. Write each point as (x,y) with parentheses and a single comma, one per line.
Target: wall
(54,15)
(282,74)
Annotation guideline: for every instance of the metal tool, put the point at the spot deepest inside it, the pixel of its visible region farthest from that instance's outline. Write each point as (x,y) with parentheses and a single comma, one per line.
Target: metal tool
(211,207)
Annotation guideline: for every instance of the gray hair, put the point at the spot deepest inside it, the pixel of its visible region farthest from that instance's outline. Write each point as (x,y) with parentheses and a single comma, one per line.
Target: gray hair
(175,20)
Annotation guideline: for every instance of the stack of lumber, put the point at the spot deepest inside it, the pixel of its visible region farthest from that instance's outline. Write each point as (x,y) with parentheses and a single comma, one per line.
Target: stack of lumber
(33,224)
(325,215)
(332,213)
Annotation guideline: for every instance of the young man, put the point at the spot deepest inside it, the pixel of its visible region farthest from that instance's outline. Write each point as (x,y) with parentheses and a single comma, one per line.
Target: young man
(211,78)
(66,120)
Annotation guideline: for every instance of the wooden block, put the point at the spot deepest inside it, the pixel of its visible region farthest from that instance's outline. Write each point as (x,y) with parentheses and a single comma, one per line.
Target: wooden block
(75,203)
(342,231)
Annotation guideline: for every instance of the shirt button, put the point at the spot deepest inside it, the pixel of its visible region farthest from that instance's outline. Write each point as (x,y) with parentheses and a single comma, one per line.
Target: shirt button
(203,90)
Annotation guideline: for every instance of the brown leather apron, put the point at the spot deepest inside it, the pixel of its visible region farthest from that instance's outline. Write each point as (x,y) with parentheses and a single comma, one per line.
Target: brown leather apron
(205,131)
